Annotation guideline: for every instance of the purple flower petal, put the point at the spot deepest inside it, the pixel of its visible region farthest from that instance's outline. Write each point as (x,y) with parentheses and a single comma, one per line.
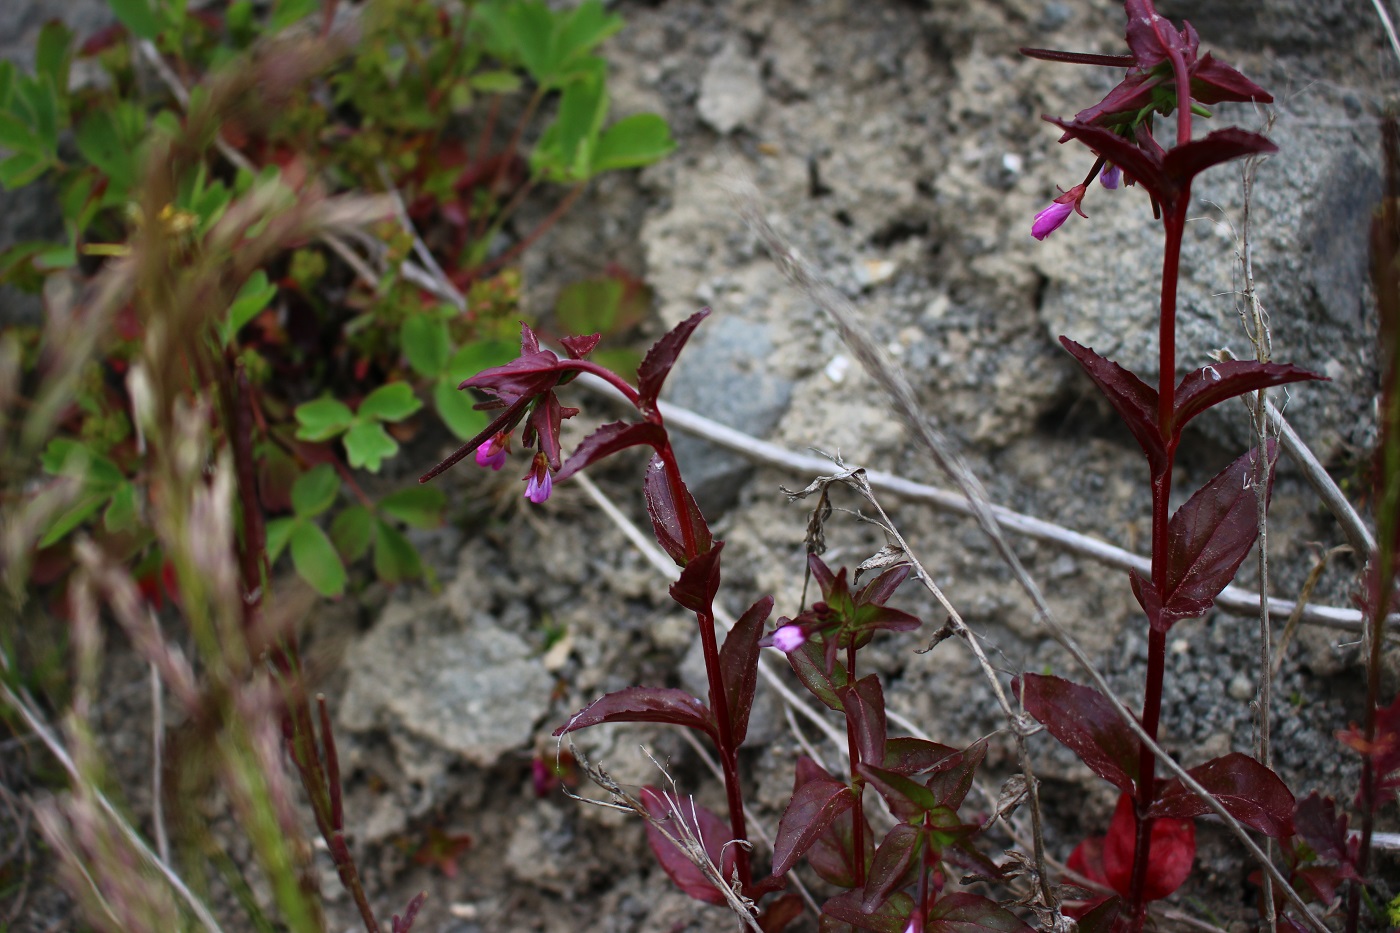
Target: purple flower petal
(789,638)
(1050,219)
(1111,176)
(539,486)
(490,455)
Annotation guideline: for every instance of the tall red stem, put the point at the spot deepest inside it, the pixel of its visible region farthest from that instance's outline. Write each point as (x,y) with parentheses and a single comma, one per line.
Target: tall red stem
(1174,222)
(857,782)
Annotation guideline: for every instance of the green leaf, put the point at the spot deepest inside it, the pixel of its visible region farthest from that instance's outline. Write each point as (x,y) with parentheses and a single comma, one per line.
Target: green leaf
(531,26)
(495,82)
(418,506)
(395,559)
(279,530)
(484,354)
(581,30)
(7,83)
(316,561)
(323,419)
(77,513)
(456,409)
(367,445)
(121,510)
(565,150)
(590,306)
(65,457)
(426,343)
(16,136)
(393,401)
(315,490)
(108,139)
(19,170)
(52,56)
(255,295)
(287,12)
(140,16)
(352,531)
(634,141)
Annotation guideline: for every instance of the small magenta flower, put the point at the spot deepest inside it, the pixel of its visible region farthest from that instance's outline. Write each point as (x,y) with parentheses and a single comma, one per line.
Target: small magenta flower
(1054,216)
(492,452)
(1111,176)
(789,638)
(539,482)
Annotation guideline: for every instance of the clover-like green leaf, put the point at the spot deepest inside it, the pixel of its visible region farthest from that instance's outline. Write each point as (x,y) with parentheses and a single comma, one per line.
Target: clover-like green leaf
(457,410)
(367,445)
(352,532)
(279,530)
(323,419)
(425,343)
(393,401)
(395,558)
(315,559)
(315,490)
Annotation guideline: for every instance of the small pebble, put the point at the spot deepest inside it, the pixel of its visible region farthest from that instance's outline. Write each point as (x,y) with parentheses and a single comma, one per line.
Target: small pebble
(1241,688)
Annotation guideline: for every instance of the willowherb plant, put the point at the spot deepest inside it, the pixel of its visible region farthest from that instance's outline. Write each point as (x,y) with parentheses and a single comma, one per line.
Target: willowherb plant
(1150,844)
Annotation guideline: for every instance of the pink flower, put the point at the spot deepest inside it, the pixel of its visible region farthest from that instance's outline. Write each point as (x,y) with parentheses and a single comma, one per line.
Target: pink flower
(789,638)
(1111,176)
(492,452)
(539,482)
(1051,219)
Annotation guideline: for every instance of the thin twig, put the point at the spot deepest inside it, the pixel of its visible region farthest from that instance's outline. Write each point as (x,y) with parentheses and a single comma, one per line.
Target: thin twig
(888,376)
(1387,25)
(425,255)
(158,763)
(1232,599)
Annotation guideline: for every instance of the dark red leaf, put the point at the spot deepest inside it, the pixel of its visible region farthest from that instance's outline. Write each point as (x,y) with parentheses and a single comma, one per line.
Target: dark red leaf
(1213,82)
(545,419)
(906,755)
(580,347)
(971,913)
(1318,823)
(608,440)
(1087,860)
(809,664)
(891,865)
(405,923)
(1324,880)
(1169,863)
(1134,400)
(644,704)
(529,343)
(1102,916)
(738,664)
(833,855)
(1253,794)
(1083,721)
(1210,536)
(1211,385)
(951,778)
(779,913)
(1151,37)
(698,822)
(908,799)
(880,590)
(661,357)
(1383,750)
(1183,163)
(890,917)
(865,712)
(699,582)
(524,376)
(1143,168)
(814,805)
(667,515)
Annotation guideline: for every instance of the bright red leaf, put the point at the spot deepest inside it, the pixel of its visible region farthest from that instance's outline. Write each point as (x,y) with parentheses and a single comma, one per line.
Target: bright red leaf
(1169,862)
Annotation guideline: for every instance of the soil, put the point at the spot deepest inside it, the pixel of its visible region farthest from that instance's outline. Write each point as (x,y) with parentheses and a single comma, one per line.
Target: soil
(900,146)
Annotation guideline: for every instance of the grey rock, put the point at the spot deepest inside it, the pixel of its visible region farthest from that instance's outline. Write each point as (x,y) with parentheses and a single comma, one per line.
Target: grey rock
(472,690)
(731,91)
(724,375)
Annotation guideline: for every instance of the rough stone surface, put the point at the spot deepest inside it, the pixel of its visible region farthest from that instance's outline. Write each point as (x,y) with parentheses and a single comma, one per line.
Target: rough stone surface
(472,690)
(731,92)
